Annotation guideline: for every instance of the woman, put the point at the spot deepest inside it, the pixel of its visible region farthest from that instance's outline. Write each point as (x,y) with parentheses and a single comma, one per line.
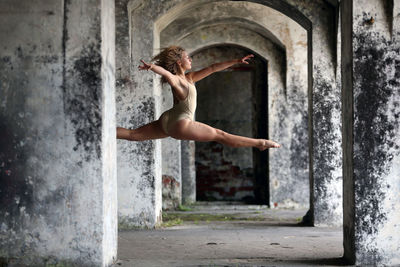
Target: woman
(178,122)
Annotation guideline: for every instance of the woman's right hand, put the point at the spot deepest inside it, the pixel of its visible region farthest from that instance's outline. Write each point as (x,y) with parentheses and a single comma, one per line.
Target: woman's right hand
(145,66)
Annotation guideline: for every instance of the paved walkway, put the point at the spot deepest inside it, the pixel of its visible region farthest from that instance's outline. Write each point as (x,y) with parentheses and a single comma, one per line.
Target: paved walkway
(232,235)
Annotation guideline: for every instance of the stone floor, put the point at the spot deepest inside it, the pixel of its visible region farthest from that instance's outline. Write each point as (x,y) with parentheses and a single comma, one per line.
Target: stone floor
(231,235)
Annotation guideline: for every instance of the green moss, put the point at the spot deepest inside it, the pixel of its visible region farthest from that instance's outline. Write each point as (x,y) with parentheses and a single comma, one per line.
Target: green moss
(184,208)
(170,223)
(205,217)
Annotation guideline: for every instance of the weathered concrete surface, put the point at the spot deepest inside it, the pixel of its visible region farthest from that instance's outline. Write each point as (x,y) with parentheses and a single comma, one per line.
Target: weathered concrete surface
(274,241)
(58,149)
(188,172)
(371,52)
(325,122)
(139,163)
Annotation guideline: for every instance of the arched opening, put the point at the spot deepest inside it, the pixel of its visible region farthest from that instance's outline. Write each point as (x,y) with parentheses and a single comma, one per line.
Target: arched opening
(234,100)
(287,78)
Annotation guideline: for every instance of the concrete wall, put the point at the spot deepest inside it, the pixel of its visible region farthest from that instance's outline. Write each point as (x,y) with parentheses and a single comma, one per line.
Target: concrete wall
(188,172)
(324,109)
(58,149)
(139,163)
(371,82)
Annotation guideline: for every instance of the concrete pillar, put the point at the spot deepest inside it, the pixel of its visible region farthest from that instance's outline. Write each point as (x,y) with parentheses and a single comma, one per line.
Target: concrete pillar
(188,172)
(138,102)
(58,202)
(325,117)
(371,110)
(171,174)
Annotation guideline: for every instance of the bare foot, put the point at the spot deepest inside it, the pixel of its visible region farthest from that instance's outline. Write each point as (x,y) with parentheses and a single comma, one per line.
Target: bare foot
(267,144)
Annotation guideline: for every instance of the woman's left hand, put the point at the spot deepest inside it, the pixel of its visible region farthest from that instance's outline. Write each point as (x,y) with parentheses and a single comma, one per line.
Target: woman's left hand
(244,60)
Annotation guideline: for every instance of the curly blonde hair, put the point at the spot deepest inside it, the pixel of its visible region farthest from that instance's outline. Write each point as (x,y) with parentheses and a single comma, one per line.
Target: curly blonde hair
(168,58)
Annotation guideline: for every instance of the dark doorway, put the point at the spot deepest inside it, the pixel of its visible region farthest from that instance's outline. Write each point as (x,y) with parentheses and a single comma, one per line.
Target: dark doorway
(234,100)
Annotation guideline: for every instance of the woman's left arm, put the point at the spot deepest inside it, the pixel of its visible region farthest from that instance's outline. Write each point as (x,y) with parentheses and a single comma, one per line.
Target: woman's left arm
(198,75)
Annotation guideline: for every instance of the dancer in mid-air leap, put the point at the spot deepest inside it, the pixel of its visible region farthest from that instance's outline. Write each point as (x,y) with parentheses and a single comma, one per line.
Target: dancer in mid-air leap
(178,122)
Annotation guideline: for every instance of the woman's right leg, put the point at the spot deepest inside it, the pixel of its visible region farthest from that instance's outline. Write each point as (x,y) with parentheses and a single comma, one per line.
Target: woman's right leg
(197,131)
(149,131)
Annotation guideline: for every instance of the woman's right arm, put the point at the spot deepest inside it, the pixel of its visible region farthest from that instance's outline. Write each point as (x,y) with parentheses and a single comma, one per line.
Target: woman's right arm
(171,78)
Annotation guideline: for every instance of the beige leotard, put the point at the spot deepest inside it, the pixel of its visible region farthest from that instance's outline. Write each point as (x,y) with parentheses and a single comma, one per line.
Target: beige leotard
(183,109)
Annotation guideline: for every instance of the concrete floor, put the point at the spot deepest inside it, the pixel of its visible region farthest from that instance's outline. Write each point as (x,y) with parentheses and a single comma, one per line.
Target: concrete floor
(253,236)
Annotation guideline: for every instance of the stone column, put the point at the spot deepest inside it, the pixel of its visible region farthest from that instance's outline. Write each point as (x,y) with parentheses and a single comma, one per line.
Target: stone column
(171,173)
(138,103)
(326,159)
(188,172)
(371,126)
(58,202)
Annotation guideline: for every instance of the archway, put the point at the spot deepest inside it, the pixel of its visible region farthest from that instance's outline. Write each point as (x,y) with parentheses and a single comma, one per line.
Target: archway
(288,107)
(323,101)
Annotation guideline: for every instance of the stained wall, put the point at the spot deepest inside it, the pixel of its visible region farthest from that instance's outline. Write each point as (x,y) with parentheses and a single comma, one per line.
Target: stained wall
(371,82)
(58,151)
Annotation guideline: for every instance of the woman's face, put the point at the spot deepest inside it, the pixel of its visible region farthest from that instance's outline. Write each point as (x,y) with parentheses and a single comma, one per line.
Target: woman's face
(186,61)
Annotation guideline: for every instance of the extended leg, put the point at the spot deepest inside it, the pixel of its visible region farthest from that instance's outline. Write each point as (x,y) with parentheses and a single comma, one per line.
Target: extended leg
(197,131)
(149,131)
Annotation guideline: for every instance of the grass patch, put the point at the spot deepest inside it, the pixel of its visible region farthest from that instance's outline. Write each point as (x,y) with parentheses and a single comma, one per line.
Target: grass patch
(205,217)
(197,217)
(184,208)
(170,223)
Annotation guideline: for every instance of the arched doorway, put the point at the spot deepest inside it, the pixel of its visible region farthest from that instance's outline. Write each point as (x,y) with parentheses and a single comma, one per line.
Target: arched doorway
(234,100)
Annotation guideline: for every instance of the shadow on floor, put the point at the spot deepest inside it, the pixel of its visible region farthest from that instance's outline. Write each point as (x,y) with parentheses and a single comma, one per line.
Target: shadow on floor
(324,262)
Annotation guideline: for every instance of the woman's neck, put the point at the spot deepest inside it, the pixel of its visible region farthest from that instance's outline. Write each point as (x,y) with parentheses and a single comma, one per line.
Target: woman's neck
(181,72)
